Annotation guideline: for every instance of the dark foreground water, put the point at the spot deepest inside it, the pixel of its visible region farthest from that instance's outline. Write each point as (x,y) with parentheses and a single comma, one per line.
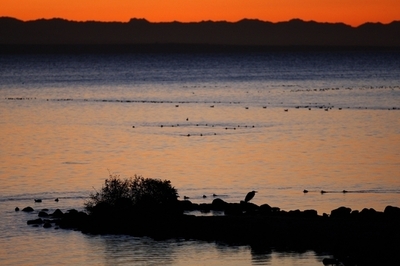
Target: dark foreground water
(225,124)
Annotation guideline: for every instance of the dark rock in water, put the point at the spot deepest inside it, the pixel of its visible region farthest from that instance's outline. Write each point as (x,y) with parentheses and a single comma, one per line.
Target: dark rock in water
(310,213)
(369,213)
(295,213)
(265,209)
(393,212)
(234,208)
(16,209)
(204,207)
(43,214)
(355,213)
(218,204)
(72,211)
(80,220)
(186,205)
(36,221)
(249,207)
(57,214)
(306,213)
(47,225)
(38,200)
(340,212)
(27,209)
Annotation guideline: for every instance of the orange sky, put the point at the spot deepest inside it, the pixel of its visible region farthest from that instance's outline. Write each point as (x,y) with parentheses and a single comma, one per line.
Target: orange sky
(352,12)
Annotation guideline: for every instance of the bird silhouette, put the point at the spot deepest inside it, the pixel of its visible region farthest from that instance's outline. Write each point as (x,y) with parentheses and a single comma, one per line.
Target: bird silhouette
(249,196)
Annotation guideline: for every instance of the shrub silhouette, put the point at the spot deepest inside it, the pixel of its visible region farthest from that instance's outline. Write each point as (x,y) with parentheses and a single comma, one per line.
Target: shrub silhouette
(136,193)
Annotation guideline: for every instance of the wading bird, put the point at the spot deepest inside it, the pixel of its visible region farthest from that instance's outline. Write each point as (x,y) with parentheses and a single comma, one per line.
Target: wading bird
(249,196)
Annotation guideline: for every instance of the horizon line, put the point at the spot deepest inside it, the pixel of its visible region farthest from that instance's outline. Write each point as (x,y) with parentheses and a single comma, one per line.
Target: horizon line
(201,21)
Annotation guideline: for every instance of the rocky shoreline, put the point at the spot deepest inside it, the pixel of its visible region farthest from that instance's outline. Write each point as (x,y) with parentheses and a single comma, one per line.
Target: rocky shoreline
(366,237)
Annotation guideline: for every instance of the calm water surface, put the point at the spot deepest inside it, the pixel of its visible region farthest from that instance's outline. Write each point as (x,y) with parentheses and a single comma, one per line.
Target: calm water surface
(210,123)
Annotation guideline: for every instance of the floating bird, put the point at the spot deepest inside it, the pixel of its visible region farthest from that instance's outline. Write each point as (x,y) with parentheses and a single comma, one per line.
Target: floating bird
(186,197)
(249,196)
(204,196)
(215,195)
(56,199)
(344,191)
(305,191)
(38,200)
(323,191)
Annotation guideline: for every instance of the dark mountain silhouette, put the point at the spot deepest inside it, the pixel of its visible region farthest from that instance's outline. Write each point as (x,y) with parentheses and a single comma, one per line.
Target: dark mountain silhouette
(242,33)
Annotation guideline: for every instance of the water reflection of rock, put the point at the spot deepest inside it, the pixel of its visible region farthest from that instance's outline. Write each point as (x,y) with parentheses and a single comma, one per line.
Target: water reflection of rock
(137,251)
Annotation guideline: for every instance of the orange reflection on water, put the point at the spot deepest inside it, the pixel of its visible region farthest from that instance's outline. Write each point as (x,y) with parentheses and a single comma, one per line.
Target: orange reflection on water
(73,148)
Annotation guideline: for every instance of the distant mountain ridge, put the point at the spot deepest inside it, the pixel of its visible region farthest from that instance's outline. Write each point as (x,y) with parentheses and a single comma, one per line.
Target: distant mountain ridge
(245,32)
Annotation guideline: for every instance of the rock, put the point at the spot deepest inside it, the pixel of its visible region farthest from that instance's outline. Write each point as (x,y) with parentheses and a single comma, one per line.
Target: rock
(16,209)
(265,209)
(248,206)
(310,213)
(47,225)
(27,209)
(218,204)
(57,214)
(36,221)
(369,213)
(235,208)
(393,212)
(295,213)
(186,205)
(43,214)
(341,212)
(204,207)
(355,213)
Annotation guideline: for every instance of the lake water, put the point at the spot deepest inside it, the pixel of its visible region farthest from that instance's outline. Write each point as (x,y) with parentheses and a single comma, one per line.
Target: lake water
(225,124)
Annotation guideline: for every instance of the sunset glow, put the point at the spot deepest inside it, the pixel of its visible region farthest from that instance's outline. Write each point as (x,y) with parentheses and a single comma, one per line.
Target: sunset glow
(354,12)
